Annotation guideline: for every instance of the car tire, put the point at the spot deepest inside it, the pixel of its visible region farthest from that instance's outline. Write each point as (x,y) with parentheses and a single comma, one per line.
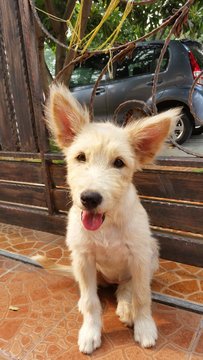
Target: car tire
(134,114)
(183,129)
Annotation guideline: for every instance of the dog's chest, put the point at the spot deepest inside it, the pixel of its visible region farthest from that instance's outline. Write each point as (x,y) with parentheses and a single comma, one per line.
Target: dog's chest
(112,261)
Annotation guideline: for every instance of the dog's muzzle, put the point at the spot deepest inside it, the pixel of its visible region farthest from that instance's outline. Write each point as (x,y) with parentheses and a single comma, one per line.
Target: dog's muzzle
(90,199)
(91,218)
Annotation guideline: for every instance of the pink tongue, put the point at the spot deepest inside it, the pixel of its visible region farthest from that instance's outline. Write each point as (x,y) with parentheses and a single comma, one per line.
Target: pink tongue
(91,221)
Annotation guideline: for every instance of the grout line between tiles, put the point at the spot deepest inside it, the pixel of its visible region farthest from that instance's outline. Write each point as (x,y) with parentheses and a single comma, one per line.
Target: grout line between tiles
(46,334)
(24,258)
(9,270)
(8,356)
(198,333)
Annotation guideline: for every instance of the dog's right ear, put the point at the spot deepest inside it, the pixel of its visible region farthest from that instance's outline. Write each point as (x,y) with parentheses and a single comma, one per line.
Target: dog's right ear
(148,135)
(65,117)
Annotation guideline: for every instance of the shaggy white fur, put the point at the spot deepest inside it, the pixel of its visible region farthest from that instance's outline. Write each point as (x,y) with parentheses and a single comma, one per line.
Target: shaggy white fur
(108,229)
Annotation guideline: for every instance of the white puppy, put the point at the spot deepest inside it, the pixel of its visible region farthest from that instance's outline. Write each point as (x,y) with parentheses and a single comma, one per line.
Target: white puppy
(108,229)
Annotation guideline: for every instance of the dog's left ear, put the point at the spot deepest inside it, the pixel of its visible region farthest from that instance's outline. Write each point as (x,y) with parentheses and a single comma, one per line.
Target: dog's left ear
(65,117)
(148,135)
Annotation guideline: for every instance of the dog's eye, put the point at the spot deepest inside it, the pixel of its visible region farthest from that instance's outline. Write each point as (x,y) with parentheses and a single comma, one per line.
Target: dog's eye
(81,157)
(118,163)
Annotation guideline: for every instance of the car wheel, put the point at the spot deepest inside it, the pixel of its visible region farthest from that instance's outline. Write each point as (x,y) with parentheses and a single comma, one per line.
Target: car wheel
(133,114)
(183,129)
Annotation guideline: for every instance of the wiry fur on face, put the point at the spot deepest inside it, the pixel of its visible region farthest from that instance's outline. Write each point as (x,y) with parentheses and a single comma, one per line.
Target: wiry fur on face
(102,144)
(92,149)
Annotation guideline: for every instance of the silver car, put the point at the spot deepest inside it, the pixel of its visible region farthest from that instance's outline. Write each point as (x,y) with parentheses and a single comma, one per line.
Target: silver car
(132,79)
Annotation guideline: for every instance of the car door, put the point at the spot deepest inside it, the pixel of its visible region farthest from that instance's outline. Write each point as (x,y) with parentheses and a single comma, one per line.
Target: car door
(133,78)
(82,82)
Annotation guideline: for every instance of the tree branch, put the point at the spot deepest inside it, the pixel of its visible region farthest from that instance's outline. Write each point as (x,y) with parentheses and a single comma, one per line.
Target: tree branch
(144,2)
(69,9)
(85,14)
(50,8)
(71,55)
(44,71)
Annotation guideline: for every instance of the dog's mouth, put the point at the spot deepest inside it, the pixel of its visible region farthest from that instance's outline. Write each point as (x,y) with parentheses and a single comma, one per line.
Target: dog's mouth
(91,220)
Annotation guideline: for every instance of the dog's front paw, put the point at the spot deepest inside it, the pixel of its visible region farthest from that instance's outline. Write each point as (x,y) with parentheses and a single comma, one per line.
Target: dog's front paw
(89,338)
(124,311)
(145,332)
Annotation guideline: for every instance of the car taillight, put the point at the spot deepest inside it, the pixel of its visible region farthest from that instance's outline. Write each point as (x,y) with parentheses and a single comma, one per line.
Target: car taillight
(195,68)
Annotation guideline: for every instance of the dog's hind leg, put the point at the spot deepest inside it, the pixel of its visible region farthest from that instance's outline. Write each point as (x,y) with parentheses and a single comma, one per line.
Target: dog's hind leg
(89,305)
(145,331)
(124,299)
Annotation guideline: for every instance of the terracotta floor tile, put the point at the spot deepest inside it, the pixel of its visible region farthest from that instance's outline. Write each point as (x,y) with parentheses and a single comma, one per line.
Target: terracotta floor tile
(46,323)
(183,338)
(106,348)
(113,355)
(168,278)
(171,353)
(46,326)
(120,338)
(200,274)
(174,279)
(189,319)
(136,353)
(42,300)
(172,293)
(199,346)
(5,265)
(168,323)
(195,357)
(168,265)
(180,281)
(185,287)
(4,357)
(56,251)
(24,241)
(157,286)
(189,268)
(197,297)
(62,339)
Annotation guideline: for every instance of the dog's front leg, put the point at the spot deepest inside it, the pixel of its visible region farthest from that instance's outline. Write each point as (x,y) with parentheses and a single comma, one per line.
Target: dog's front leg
(145,331)
(84,268)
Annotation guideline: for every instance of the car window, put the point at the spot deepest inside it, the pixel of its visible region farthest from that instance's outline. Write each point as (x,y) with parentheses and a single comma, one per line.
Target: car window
(83,76)
(88,72)
(143,61)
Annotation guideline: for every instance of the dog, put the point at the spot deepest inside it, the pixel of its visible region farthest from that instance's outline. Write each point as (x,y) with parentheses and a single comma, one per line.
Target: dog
(108,231)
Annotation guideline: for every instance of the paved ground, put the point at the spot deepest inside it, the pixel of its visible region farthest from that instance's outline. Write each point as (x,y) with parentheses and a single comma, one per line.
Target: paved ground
(195,144)
(39,319)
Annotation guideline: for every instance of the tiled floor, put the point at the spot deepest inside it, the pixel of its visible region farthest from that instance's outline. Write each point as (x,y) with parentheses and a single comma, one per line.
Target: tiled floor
(180,281)
(44,322)
(28,242)
(173,279)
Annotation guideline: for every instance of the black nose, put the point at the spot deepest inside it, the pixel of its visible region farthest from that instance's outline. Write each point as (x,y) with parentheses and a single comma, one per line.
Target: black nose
(90,199)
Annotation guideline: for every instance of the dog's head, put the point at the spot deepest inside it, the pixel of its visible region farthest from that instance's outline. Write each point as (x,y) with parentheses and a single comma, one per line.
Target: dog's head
(102,157)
